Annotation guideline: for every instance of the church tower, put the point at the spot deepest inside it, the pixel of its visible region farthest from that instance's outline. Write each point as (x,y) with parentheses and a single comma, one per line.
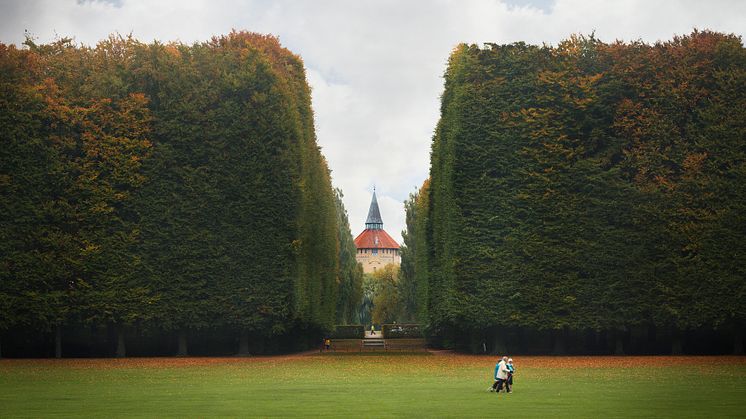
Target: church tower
(375,248)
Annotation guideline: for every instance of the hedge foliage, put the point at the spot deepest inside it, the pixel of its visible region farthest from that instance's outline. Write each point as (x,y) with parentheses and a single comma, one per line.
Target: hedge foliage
(166,186)
(586,186)
(353,331)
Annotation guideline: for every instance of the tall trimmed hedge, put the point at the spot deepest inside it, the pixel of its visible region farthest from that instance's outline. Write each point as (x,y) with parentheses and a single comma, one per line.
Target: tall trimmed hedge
(587,186)
(175,188)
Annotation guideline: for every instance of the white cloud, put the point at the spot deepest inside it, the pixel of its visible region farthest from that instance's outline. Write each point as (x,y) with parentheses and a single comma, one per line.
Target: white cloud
(375,66)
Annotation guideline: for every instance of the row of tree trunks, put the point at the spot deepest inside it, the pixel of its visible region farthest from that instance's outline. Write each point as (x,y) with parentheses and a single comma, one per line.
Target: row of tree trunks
(677,347)
(121,351)
(738,342)
(498,346)
(182,344)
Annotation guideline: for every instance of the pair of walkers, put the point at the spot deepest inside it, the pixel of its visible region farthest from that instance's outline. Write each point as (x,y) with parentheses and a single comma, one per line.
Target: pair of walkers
(503,375)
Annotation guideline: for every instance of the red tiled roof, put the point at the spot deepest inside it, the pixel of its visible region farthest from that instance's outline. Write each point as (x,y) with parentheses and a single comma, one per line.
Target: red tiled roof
(375,239)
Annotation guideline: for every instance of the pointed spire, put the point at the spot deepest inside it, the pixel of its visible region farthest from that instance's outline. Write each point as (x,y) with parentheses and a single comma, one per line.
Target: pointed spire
(374,221)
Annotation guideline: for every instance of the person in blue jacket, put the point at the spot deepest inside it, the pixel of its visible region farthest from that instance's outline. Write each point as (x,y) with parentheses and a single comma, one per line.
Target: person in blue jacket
(511,371)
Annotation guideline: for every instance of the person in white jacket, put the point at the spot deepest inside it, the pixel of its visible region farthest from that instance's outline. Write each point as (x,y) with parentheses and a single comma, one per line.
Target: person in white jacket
(501,375)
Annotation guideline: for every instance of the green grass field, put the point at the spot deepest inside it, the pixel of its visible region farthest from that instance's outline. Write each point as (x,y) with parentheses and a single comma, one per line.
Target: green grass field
(374,385)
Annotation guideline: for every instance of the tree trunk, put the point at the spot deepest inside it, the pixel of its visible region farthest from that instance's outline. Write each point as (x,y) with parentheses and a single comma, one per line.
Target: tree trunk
(182,351)
(738,340)
(618,344)
(58,342)
(243,344)
(652,338)
(1,347)
(618,340)
(559,342)
(676,346)
(475,341)
(121,349)
(599,340)
(498,345)
(638,338)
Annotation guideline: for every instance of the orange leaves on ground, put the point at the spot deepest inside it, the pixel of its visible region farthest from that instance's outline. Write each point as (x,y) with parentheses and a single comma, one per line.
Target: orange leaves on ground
(440,361)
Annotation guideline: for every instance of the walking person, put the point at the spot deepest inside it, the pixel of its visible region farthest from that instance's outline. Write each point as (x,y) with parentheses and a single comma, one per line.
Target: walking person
(501,375)
(511,371)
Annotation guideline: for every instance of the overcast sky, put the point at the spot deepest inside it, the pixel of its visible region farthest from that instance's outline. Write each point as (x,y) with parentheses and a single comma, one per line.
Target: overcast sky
(375,67)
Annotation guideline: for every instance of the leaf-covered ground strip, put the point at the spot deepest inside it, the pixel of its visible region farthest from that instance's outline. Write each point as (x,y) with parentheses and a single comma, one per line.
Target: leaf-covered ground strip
(373,385)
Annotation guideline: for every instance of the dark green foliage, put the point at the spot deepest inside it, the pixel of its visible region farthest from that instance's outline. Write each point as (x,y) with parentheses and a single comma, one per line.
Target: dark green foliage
(350,276)
(586,186)
(414,279)
(370,289)
(421,250)
(31,271)
(407,279)
(387,305)
(174,187)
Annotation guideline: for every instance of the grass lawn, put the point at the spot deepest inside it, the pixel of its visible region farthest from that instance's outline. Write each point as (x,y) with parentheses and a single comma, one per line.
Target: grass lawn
(374,385)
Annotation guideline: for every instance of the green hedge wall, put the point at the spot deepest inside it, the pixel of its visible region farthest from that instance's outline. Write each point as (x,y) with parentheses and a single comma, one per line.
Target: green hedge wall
(351,331)
(165,186)
(587,186)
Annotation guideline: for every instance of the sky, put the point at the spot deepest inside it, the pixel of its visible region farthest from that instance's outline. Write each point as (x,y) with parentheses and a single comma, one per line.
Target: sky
(375,67)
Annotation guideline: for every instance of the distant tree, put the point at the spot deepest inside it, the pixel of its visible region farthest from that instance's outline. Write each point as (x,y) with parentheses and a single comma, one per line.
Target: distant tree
(407,280)
(350,276)
(421,251)
(387,305)
(370,290)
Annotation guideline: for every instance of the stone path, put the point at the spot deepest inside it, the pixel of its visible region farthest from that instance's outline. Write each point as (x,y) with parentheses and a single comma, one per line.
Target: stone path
(378,335)
(373,342)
